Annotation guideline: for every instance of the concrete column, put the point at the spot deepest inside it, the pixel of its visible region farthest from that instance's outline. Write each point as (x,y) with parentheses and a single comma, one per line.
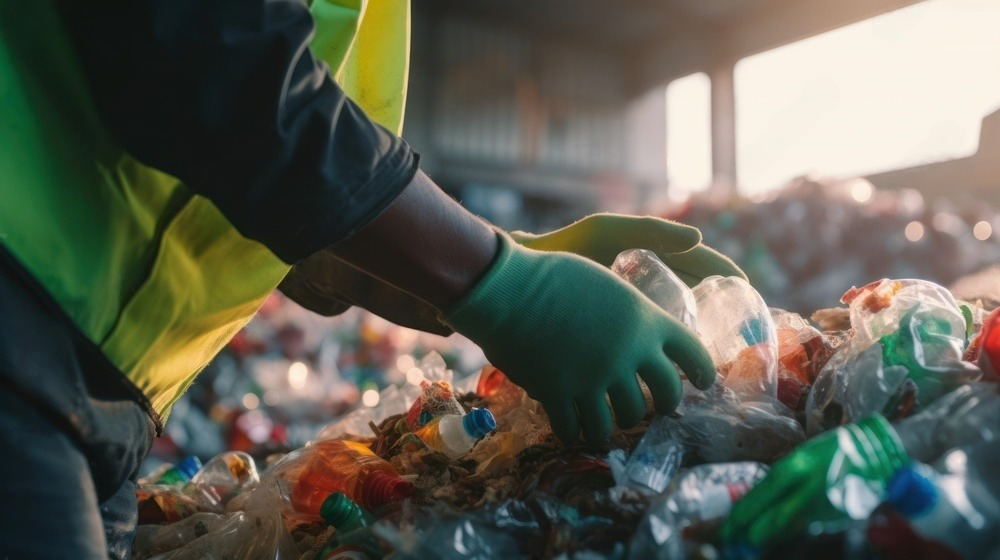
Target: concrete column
(723,124)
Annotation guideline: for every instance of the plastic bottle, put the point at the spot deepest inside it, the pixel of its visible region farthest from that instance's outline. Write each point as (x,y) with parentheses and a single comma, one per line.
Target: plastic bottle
(702,495)
(342,513)
(181,472)
(955,510)
(965,416)
(455,435)
(333,466)
(644,270)
(989,347)
(736,327)
(658,456)
(221,479)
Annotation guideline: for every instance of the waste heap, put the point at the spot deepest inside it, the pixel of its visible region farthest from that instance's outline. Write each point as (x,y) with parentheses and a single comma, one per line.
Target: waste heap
(871,436)
(809,241)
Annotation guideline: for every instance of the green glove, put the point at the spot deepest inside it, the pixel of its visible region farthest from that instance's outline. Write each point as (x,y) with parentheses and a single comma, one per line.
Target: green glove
(600,237)
(571,333)
(839,475)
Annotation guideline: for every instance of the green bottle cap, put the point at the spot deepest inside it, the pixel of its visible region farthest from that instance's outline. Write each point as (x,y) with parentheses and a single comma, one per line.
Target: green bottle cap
(341,513)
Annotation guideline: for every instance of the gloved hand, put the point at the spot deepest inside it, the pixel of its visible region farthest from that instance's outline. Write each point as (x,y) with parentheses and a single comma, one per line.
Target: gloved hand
(326,285)
(839,475)
(600,237)
(569,332)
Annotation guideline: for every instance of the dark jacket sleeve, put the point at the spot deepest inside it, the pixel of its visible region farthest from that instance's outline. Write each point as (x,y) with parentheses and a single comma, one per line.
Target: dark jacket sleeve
(226,96)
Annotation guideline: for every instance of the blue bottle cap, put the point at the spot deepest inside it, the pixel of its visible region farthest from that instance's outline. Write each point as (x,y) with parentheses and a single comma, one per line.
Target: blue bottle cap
(910,493)
(479,422)
(424,418)
(189,466)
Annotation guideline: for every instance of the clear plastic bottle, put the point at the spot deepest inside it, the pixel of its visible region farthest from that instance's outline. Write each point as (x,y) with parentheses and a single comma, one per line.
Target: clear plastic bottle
(221,479)
(956,510)
(644,270)
(455,435)
(182,472)
(702,495)
(333,466)
(658,456)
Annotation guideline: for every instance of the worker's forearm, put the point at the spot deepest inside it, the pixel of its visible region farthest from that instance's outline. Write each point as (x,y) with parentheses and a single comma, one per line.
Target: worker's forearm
(424,243)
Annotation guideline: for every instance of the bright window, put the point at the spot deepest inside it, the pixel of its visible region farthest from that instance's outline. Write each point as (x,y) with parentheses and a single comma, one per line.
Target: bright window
(898,90)
(689,133)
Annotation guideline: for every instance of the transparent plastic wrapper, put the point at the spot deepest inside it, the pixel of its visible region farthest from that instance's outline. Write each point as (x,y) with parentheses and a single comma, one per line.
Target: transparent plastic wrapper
(245,535)
(967,415)
(521,422)
(695,502)
(462,538)
(221,479)
(644,270)
(437,396)
(909,337)
(392,400)
(656,459)
(736,328)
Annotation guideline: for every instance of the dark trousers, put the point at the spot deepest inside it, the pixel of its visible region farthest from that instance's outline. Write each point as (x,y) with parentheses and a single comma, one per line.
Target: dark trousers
(73,433)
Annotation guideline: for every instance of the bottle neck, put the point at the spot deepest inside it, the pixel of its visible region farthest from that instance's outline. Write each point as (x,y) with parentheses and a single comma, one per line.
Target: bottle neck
(380,488)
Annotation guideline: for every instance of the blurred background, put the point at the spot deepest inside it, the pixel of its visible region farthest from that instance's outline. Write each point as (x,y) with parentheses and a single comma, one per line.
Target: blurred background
(819,143)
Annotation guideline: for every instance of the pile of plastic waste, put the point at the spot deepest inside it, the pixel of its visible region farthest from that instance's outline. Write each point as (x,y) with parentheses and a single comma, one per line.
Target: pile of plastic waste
(803,245)
(867,432)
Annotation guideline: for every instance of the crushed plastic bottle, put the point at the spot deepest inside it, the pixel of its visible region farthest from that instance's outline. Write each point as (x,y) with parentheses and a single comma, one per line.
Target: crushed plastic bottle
(657,458)
(221,479)
(696,502)
(327,467)
(802,349)
(437,398)
(182,472)
(644,270)
(968,415)
(957,509)
(907,348)
(521,422)
(258,534)
(721,428)
(736,328)
(454,435)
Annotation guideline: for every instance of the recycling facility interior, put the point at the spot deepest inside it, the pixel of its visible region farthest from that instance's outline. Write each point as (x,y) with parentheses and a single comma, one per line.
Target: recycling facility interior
(822,144)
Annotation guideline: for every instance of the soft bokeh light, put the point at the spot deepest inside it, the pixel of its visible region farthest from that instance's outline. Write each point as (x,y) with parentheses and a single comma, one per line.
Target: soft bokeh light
(405,362)
(861,190)
(297,374)
(370,398)
(914,231)
(272,397)
(414,376)
(982,230)
(902,89)
(250,401)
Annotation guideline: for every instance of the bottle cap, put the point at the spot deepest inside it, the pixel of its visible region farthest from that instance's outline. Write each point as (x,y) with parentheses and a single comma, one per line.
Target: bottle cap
(424,418)
(380,488)
(341,513)
(479,422)
(910,493)
(189,466)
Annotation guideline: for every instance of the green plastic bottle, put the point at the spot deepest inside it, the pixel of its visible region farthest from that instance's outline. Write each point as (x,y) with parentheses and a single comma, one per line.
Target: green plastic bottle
(838,476)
